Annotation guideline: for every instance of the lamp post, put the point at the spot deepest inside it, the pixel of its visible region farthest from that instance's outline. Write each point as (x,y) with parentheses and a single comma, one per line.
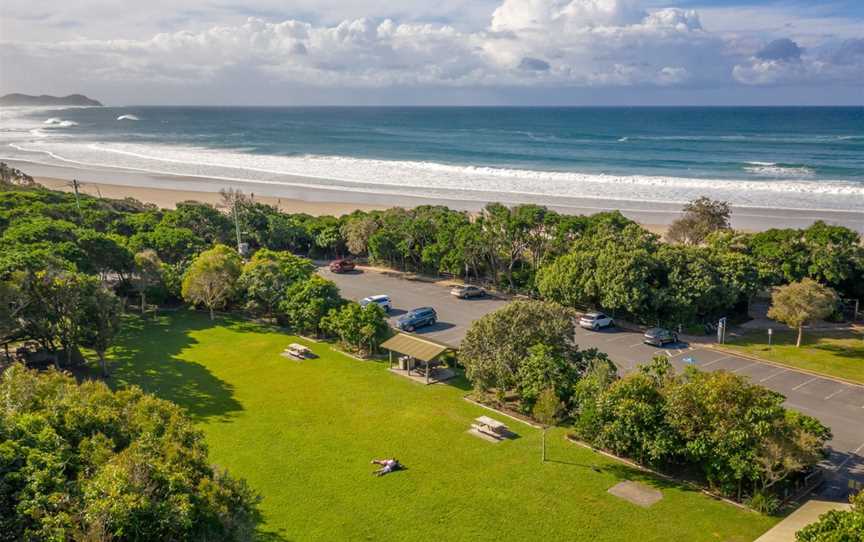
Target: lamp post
(770,332)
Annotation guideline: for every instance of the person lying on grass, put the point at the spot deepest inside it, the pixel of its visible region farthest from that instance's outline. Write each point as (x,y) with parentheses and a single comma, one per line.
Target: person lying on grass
(387,465)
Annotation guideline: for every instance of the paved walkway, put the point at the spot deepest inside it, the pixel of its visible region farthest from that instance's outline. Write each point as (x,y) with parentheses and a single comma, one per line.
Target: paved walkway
(807,514)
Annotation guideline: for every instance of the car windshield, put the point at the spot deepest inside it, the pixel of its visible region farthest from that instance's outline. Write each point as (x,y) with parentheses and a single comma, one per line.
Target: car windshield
(655,331)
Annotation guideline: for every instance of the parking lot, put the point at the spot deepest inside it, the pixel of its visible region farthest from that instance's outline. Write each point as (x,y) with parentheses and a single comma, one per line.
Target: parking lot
(836,404)
(454,315)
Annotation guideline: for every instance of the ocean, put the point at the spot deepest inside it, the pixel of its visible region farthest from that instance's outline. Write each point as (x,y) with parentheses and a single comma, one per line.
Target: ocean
(781,158)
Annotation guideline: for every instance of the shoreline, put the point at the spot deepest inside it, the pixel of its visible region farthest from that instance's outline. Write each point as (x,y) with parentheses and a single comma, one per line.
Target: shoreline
(168,190)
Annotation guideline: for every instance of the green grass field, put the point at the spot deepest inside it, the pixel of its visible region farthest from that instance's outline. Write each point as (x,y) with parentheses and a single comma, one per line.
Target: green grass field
(834,353)
(303,433)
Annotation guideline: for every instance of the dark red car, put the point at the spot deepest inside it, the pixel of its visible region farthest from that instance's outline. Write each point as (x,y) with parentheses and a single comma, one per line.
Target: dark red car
(342,265)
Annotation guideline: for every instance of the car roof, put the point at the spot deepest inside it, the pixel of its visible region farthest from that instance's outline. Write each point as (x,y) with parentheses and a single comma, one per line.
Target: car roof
(593,314)
(422,309)
(379,297)
(657,330)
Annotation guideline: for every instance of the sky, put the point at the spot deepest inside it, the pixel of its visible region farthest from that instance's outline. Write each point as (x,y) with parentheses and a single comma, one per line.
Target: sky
(437,52)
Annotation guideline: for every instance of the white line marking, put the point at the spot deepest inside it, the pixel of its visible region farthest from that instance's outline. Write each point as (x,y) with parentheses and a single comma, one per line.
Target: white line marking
(617,336)
(635,345)
(801,385)
(745,366)
(838,392)
(841,465)
(716,360)
(668,353)
(778,373)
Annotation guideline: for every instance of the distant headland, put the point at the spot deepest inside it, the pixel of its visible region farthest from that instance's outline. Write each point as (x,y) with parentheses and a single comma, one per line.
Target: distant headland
(45,100)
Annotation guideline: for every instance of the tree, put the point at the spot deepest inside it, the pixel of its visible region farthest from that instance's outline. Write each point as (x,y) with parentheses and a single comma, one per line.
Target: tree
(204,220)
(148,273)
(497,344)
(701,217)
(212,278)
(546,411)
(101,322)
(267,276)
(361,329)
(308,301)
(81,462)
(56,303)
(357,232)
(802,302)
(837,525)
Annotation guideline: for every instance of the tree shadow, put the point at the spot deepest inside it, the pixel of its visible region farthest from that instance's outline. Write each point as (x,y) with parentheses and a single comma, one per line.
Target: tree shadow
(147,356)
(270,536)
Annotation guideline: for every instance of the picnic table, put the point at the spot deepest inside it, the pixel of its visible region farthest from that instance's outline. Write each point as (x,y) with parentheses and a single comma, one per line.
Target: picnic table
(297,351)
(490,426)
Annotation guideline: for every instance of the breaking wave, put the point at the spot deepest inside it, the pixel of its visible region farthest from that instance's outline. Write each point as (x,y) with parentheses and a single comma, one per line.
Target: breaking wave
(60,123)
(128,117)
(432,179)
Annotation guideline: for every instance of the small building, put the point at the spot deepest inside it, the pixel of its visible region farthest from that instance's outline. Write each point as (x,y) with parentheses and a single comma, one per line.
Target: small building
(417,354)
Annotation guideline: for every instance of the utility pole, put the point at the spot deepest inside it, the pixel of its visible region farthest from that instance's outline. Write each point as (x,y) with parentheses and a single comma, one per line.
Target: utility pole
(237,224)
(75,185)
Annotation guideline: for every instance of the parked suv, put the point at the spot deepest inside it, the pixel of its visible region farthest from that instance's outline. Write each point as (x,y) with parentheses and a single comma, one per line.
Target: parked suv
(464,292)
(595,321)
(659,336)
(382,301)
(342,265)
(424,316)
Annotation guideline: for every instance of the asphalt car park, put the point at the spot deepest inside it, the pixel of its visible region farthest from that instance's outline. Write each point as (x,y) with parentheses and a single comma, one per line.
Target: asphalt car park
(454,315)
(837,404)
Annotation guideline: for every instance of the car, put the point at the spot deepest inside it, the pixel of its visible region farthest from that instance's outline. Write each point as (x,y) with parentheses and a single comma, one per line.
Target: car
(342,265)
(466,291)
(595,321)
(382,301)
(659,336)
(416,318)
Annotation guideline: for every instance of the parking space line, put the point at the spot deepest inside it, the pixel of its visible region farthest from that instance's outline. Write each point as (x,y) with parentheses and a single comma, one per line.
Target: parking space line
(618,336)
(838,392)
(778,373)
(745,366)
(848,457)
(716,360)
(668,354)
(635,345)
(801,385)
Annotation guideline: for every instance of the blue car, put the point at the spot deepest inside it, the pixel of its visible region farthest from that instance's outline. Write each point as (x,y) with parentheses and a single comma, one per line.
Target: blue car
(424,316)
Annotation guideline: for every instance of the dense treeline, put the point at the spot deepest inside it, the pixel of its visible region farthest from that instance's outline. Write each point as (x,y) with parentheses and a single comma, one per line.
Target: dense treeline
(603,260)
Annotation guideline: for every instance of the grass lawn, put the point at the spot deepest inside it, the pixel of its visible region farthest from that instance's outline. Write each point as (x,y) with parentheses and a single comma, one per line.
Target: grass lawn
(303,433)
(835,353)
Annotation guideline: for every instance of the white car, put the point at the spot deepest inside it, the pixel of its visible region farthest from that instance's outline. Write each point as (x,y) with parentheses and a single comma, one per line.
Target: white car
(382,301)
(595,320)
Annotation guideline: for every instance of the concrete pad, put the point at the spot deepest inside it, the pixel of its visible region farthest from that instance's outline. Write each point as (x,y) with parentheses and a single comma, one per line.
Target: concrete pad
(484,436)
(637,493)
(797,520)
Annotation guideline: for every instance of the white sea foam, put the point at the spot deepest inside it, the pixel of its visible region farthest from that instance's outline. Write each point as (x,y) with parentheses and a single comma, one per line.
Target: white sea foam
(772,169)
(60,123)
(127,117)
(449,181)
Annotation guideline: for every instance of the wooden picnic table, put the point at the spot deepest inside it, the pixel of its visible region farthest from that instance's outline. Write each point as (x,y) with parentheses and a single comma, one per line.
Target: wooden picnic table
(490,426)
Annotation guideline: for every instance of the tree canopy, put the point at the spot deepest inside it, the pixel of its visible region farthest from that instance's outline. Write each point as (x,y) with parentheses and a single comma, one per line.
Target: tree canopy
(80,462)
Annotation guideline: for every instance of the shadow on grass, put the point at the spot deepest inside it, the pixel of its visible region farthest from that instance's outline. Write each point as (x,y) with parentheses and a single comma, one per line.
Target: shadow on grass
(270,536)
(147,356)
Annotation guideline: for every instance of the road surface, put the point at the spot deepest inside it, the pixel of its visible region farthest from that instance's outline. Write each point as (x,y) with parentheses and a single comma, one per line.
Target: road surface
(454,315)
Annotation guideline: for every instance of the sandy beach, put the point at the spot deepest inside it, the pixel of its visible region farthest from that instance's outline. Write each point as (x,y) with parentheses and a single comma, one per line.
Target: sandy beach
(296,197)
(167,198)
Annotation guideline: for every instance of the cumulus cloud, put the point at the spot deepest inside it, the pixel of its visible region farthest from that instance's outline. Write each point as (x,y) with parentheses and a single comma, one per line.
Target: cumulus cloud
(554,43)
